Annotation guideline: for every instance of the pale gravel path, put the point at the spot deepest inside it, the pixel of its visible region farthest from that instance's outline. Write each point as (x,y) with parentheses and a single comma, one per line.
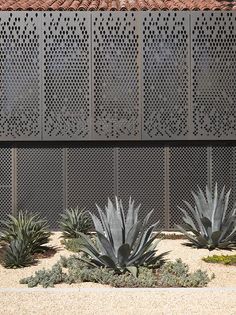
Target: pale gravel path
(120,303)
(100,301)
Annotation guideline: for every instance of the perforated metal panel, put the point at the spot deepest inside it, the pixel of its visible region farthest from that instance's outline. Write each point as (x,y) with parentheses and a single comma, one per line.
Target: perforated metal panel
(141,175)
(214,74)
(116,76)
(166,70)
(40,181)
(188,169)
(90,176)
(6,200)
(66,75)
(224,169)
(20,91)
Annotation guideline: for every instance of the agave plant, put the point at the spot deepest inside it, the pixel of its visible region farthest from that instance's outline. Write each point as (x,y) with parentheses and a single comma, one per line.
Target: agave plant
(74,221)
(17,254)
(122,243)
(212,226)
(27,227)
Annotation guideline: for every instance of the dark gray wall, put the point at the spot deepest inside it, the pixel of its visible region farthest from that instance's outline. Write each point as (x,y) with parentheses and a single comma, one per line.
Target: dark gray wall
(49,177)
(117,75)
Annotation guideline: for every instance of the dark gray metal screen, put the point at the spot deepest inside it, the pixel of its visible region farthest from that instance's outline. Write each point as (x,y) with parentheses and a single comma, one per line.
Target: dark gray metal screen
(20,76)
(189,168)
(49,178)
(141,175)
(6,182)
(40,180)
(66,75)
(116,80)
(90,176)
(213,75)
(166,70)
(117,75)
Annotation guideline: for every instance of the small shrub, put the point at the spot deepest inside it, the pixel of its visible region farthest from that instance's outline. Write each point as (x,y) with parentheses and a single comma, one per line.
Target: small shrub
(221,259)
(173,274)
(73,244)
(26,227)
(46,278)
(73,222)
(17,255)
(176,274)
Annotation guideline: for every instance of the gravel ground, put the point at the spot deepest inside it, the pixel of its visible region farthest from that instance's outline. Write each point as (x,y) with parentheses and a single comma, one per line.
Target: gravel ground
(90,298)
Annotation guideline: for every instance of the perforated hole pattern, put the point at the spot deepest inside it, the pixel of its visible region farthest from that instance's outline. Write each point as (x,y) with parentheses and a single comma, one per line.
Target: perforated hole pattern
(116,97)
(20,97)
(165,75)
(141,175)
(66,75)
(40,181)
(51,177)
(103,73)
(214,75)
(6,202)
(188,169)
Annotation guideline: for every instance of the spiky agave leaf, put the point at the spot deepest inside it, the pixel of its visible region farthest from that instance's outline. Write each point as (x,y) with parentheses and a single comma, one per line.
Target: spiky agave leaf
(74,220)
(17,254)
(123,243)
(28,227)
(212,227)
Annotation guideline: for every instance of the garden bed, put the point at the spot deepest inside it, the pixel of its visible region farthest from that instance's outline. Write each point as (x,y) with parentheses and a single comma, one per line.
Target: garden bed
(225,276)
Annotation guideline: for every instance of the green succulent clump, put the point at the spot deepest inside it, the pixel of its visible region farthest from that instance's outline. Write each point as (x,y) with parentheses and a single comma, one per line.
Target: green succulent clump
(73,222)
(17,255)
(221,259)
(24,235)
(212,226)
(122,243)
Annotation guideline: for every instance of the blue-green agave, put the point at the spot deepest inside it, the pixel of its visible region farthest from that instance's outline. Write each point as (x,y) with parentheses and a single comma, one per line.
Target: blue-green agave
(212,226)
(122,243)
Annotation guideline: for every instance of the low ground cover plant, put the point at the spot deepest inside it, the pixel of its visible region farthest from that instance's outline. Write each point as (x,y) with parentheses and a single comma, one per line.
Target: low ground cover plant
(73,270)
(122,242)
(210,222)
(23,236)
(221,259)
(75,221)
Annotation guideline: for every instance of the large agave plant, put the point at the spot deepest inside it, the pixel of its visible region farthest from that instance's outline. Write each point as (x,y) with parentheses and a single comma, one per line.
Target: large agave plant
(122,243)
(212,227)
(28,228)
(74,221)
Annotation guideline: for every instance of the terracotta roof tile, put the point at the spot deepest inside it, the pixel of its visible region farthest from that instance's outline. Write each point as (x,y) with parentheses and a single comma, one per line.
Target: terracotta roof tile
(116,5)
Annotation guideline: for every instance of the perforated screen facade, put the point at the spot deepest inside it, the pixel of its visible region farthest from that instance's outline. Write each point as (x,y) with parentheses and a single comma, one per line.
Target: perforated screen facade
(47,178)
(117,76)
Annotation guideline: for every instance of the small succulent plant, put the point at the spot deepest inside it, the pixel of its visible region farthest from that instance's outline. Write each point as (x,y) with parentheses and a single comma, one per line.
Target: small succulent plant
(26,227)
(212,226)
(75,221)
(122,243)
(17,254)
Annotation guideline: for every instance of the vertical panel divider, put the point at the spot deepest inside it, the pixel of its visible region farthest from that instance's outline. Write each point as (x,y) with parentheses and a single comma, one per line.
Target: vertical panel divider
(190,114)
(209,162)
(91,78)
(140,58)
(116,157)
(41,72)
(167,188)
(65,201)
